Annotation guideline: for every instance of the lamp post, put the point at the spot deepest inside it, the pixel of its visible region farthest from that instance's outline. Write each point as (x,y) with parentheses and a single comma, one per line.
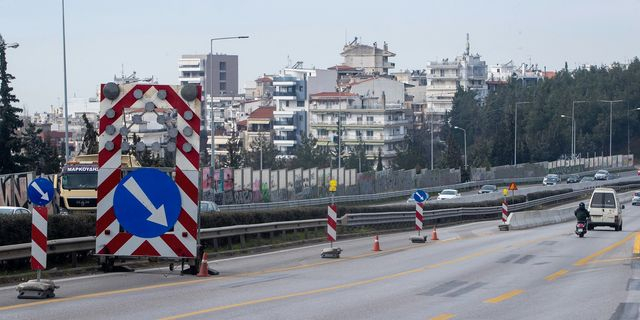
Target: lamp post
(628,133)
(563,116)
(573,126)
(213,129)
(465,145)
(64,67)
(515,132)
(610,102)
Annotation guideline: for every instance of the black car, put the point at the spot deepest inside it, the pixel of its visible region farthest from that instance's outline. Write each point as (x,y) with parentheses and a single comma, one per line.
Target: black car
(574,178)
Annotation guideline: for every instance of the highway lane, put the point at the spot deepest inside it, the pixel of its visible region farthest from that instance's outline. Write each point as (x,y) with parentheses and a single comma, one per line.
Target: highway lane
(475,272)
(472,195)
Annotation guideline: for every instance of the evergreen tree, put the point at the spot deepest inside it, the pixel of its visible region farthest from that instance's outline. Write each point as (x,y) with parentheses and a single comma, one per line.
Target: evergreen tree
(307,154)
(90,139)
(263,144)
(234,158)
(379,166)
(10,144)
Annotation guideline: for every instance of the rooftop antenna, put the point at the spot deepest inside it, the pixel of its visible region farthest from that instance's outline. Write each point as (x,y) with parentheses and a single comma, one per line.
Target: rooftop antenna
(467,43)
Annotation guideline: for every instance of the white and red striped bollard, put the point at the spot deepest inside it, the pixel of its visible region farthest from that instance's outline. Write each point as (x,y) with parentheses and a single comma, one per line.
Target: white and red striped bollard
(419,216)
(332,218)
(39,238)
(505,212)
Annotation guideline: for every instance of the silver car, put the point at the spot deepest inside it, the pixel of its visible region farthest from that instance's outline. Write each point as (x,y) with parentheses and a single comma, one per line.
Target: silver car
(601,175)
(14,210)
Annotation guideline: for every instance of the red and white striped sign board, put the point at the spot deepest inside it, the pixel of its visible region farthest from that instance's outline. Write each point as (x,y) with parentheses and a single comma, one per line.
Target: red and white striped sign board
(419,215)
(39,238)
(332,218)
(182,241)
(505,212)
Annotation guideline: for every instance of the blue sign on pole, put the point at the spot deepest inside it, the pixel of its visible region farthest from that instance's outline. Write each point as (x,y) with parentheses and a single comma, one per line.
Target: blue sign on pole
(147,203)
(420,196)
(40,191)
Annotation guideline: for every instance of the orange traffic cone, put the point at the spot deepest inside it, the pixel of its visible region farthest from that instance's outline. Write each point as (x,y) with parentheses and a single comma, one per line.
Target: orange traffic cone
(376,244)
(204,267)
(434,234)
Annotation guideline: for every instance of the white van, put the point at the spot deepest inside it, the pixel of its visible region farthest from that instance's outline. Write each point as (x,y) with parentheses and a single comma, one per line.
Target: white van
(605,209)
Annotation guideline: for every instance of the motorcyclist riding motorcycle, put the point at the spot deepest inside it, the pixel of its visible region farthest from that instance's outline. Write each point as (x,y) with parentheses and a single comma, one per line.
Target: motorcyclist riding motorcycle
(582,214)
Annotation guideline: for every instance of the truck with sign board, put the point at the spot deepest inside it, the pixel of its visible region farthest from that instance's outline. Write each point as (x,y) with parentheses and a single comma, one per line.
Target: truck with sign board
(78,182)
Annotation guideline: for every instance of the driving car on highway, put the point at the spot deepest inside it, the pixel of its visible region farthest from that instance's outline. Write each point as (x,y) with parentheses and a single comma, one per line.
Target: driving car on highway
(586,179)
(14,210)
(574,178)
(601,175)
(635,201)
(488,188)
(448,194)
(551,180)
(208,207)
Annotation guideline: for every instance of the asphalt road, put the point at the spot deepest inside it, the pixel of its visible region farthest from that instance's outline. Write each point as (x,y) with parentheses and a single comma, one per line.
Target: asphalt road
(473,272)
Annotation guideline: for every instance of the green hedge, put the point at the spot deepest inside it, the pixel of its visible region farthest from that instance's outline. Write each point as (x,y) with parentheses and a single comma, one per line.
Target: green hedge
(546,193)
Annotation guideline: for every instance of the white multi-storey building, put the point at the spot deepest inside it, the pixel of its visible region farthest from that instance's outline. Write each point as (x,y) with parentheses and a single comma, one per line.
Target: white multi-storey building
(443,78)
(366,119)
(370,59)
(291,98)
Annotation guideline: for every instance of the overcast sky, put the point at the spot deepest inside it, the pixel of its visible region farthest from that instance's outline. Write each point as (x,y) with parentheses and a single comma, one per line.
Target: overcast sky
(149,36)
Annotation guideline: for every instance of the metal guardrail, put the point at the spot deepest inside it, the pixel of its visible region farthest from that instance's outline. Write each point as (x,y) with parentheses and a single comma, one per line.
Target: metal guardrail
(387,195)
(69,245)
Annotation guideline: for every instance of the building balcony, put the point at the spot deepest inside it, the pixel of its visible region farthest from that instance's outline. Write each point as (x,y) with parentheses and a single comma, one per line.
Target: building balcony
(195,80)
(388,65)
(285,83)
(191,68)
(284,127)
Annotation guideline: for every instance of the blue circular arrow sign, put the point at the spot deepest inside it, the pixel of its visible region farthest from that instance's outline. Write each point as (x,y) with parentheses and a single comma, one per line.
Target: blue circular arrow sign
(147,203)
(420,196)
(40,191)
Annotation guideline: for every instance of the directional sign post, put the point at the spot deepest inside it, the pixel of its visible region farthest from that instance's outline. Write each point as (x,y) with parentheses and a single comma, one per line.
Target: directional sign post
(420,196)
(40,193)
(147,203)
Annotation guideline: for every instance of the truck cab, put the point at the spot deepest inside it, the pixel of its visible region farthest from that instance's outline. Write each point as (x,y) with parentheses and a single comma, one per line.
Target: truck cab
(77,184)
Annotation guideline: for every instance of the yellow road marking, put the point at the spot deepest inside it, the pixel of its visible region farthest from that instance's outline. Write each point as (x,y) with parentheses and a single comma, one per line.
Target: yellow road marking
(189,282)
(556,275)
(636,245)
(504,297)
(293,295)
(602,251)
(444,316)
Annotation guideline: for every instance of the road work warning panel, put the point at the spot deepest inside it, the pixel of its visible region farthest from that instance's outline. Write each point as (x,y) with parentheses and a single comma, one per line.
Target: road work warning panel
(513,187)
(147,203)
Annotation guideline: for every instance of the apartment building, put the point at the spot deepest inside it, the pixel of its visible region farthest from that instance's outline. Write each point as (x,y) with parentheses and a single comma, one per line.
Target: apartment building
(292,88)
(371,59)
(366,119)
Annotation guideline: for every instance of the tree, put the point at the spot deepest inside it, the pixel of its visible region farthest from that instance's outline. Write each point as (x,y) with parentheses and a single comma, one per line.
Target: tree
(234,158)
(39,156)
(145,157)
(307,154)
(263,145)
(379,166)
(90,139)
(357,158)
(10,144)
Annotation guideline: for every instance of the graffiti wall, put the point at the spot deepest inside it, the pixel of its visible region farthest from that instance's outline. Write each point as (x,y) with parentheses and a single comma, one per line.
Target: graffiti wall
(13,189)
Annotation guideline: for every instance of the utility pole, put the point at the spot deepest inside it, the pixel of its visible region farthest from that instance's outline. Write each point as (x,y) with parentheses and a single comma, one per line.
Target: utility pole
(515,132)
(64,67)
(610,102)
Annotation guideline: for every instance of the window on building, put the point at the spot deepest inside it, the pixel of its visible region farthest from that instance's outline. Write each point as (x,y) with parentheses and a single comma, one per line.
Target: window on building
(442,73)
(369,133)
(300,104)
(369,119)
(223,86)
(358,133)
(223,65)
(287,103)
(223,76)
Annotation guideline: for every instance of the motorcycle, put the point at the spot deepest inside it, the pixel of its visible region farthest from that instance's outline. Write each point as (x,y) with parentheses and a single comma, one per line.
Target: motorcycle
(581,228)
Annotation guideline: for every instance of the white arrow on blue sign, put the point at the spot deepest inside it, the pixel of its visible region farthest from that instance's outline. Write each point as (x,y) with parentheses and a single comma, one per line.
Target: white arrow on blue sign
(40,191)
(147,203)
(420,196)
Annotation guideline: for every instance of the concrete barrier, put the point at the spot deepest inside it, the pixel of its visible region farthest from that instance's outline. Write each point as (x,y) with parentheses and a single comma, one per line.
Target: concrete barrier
(536,218)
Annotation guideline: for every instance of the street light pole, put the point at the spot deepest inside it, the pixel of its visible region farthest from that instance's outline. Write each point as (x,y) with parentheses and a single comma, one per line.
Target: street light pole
(611,102)
(465,145)
(66,113)
(431,131)
(208,67)
(573,126)
(628,131)
(515,132)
